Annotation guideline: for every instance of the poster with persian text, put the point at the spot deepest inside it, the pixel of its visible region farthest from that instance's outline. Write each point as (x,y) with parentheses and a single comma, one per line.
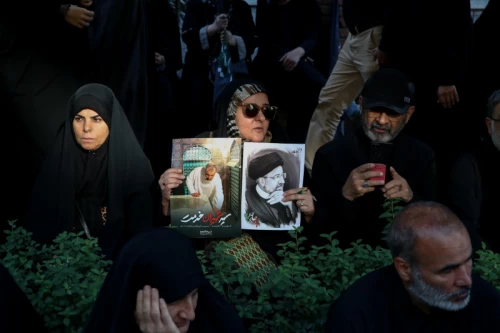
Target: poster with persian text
(206,204)
(268,170)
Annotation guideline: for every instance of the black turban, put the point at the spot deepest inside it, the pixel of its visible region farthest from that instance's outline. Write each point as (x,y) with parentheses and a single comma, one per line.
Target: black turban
(262,165)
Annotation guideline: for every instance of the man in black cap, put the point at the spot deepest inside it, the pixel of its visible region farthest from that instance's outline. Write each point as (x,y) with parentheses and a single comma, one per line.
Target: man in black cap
(264,200)
(352,176)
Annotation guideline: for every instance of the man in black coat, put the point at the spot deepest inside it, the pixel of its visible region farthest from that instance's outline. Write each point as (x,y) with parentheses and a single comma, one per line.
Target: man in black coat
(352,176)
(429,287)
(474,189)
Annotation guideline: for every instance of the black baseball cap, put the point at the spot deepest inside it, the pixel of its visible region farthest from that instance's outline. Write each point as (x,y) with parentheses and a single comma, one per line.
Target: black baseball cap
(388,88)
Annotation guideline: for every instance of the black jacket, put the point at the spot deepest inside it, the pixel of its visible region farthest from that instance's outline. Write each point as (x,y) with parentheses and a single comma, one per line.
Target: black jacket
(333,163)
(474,194)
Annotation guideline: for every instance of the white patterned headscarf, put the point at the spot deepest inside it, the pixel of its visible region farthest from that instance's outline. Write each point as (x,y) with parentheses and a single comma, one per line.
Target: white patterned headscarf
(241,93)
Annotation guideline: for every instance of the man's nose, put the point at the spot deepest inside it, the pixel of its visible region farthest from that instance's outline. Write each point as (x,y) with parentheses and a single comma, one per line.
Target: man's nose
(382,118)
(464,278)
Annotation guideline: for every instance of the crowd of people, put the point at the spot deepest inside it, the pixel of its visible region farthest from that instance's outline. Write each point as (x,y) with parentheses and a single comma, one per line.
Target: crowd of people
(95,100)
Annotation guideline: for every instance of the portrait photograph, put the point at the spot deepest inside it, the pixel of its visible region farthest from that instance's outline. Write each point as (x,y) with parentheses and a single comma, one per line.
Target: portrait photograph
(207,204)
(268,170)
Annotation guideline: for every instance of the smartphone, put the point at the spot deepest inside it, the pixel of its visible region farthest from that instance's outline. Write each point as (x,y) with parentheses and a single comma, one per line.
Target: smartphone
(381,156)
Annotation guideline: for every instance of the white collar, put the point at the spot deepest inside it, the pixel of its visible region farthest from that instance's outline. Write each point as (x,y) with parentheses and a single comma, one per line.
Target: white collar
(261,192)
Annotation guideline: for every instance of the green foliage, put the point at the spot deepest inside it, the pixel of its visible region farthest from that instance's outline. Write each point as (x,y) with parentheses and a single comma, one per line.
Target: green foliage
(391,208)
(487,266)
(62,279)
(298,293)
(300,290)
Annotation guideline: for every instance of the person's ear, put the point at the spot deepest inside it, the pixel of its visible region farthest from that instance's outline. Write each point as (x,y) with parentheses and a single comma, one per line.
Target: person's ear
(409,113)
(488,122)
(403,268)
(260,181)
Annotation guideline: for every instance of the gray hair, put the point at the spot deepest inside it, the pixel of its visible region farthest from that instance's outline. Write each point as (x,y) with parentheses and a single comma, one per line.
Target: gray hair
(415,219)
(211,165)
(493,101)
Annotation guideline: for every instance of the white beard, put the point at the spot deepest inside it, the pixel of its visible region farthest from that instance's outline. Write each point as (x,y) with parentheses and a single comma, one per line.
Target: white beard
(435,297)
(495,136)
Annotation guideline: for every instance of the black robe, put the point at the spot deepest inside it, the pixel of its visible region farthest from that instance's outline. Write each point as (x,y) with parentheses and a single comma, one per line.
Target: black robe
(120,42)
(474,194)
(163,259)
(128,176)
(43,61)
(16,311)
(271,215)
(165,85)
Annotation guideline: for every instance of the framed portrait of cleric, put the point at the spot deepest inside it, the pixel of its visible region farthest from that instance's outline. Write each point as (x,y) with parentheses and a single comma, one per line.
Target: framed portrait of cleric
(268,170)
(206,204)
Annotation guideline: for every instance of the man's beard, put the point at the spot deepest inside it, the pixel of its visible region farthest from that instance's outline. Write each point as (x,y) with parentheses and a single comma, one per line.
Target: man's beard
(380,137)
(435,297)
(495,136)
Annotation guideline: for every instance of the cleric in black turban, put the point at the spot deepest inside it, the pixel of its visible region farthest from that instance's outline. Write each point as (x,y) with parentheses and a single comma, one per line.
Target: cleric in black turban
(262,165)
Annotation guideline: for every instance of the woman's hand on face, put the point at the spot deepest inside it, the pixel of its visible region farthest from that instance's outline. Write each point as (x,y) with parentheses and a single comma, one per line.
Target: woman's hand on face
(151,312)
(304,200)
(169,180)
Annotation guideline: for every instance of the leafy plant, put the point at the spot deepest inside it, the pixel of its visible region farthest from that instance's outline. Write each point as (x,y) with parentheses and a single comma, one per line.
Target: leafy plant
(487,265)
(62,279)
(298,292)
(391,208)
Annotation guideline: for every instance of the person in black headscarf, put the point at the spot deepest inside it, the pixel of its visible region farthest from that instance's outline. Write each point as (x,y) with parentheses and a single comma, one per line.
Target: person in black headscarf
(160,265)
(97,178)
(16,311)
(243,111)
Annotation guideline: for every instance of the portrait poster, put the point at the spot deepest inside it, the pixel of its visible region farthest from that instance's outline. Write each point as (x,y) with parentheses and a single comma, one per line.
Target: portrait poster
(207,203)
(268,170)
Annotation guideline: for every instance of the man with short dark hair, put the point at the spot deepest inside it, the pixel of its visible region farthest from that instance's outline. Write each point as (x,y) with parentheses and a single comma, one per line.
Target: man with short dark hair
(349,191)
(429,288)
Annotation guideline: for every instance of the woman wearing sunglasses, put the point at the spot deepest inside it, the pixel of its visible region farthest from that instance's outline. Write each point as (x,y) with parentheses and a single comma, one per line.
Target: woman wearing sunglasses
(242,110)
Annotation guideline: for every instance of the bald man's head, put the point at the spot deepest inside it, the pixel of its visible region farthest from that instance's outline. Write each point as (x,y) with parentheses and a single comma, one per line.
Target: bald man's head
(418,221)
(432,255)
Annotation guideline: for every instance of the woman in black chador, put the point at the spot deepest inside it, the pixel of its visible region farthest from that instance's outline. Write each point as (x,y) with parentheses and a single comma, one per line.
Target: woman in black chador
(96,178)
(158,272)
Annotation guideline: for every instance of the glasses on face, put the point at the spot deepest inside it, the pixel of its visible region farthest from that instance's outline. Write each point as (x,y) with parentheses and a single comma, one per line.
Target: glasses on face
(251,110)
(277,177)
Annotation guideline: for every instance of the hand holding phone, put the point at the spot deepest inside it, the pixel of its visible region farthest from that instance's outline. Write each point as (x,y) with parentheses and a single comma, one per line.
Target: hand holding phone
(380,168)
(381,156)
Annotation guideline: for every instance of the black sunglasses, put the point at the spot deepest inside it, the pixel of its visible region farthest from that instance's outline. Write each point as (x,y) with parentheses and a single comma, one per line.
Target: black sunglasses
(251,110)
